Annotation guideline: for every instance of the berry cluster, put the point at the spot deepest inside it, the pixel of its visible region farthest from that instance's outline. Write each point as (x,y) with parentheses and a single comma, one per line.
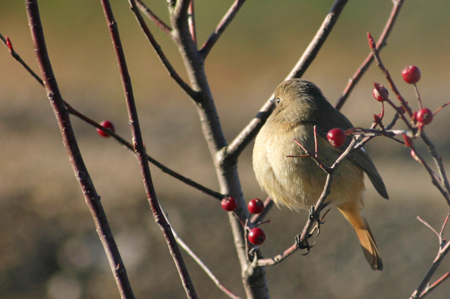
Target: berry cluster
(256,236)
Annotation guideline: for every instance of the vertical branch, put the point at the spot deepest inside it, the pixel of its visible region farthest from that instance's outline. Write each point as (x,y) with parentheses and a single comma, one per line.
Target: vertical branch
(138,145)
(92,198)
(226,168)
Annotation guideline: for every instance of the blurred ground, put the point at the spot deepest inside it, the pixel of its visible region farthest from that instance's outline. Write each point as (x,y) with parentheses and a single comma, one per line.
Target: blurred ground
(49,247)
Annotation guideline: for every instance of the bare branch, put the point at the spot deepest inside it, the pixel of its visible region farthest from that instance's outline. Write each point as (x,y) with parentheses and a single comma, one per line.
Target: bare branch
(423,289)
(250,131)
(164,27)
(172,72)
(318,40)
(139,148)
(203,266)
(380,45)
(19,59)
(120,139)
(92,198)
(226,20)
(439,164)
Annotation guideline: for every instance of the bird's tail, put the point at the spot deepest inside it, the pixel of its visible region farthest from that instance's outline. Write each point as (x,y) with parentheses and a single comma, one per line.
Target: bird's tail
(354,214)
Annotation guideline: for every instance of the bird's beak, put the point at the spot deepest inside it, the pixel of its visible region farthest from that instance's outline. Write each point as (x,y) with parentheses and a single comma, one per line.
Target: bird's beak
(272,100)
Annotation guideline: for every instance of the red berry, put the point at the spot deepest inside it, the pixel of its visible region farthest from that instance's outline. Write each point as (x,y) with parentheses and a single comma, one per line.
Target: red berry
(424,116)
(411,74)
(256,236)
(380,93)
(229,203)
(408,140)
(107,124)
(9,44)
(255,206)
(336,137)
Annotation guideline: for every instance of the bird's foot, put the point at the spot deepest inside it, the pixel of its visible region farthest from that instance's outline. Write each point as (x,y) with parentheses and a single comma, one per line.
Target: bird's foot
(303,244)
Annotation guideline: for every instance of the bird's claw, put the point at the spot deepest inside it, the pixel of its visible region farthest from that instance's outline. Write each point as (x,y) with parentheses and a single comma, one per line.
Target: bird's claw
(303,244)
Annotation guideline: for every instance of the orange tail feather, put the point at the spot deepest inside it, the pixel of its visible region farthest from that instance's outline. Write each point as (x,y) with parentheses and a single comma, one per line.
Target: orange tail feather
(354,215)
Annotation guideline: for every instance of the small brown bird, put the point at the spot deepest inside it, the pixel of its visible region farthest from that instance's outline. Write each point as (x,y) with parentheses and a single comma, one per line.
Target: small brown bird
(297,182)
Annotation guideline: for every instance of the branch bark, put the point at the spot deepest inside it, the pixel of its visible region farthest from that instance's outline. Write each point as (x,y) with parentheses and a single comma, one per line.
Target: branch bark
(81,173)
(254,283)
(139,148)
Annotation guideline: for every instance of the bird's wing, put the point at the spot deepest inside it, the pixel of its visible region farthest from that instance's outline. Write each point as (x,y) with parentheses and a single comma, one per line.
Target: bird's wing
(360,157)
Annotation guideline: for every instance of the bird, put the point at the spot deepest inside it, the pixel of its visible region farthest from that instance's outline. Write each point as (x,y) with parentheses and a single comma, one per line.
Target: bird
(296,181)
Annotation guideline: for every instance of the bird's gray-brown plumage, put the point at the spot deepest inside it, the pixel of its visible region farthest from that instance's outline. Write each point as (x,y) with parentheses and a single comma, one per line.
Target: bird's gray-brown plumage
(297,182)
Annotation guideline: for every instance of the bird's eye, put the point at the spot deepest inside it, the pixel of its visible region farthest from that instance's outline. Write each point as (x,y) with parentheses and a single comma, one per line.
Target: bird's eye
(278,100)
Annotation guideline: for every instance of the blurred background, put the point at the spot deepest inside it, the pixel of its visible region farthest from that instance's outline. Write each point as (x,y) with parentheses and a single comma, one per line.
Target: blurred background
(48,245)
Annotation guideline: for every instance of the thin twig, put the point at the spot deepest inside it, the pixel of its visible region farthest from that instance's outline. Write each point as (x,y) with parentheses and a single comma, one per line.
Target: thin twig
(203,266)
(430,288)
(268,205)
(380,45)
(164,27)
(434,178)
(119,139)
(92,198)
(250,131)
(404,104)
(226,20)
(138,145)
(155,162)
(172,72)
(441,182)
(19,59)
(392,85)
(439,164)
(444,247)
(318,40)
(440,108)
(419,100)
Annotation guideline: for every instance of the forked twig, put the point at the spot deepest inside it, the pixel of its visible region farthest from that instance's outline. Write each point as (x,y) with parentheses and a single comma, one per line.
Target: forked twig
(19,59)
(172,72)
(424,287)
(365,65)
(118,138)
(164,27)
(226,20)
(441,181)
